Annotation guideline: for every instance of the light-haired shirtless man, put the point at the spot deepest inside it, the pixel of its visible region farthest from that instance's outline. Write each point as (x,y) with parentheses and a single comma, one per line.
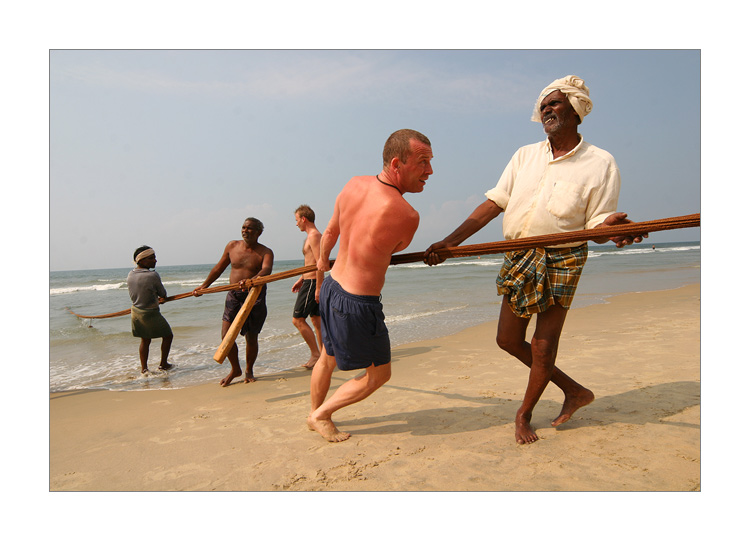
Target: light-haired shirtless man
(249,259)
(307,287)
(371,221)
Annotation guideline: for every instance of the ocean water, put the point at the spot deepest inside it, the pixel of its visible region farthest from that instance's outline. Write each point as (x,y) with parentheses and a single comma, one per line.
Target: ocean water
(420,303)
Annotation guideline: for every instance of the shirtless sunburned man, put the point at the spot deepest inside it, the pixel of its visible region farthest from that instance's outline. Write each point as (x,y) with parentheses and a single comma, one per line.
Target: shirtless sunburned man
(248,259)
(371,221)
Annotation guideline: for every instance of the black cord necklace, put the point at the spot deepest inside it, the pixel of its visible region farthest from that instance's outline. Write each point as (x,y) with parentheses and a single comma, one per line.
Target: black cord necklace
(391,185)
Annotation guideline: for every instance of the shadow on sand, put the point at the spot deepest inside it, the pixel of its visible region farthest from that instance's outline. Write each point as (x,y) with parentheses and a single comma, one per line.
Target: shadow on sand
(651,404)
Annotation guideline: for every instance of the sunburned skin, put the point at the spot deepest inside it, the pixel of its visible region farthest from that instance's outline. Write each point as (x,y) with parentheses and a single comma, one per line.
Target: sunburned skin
(327,429)
(371,221)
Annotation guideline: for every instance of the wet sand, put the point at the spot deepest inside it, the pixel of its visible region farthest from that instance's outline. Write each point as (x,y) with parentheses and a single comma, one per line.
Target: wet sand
(444,422)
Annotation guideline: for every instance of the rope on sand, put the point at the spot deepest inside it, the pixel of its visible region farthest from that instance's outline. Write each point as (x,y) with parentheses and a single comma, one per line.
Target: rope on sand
(632,229)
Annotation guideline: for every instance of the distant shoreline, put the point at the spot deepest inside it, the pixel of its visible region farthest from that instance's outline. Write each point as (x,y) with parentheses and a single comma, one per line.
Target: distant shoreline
(300,262)
(420,303)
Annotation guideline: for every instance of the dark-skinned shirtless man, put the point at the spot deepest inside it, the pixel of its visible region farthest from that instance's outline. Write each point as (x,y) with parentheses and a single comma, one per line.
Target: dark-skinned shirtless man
(248,259)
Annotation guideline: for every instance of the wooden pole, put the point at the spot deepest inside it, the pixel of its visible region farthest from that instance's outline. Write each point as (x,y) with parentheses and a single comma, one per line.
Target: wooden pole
(635,228)
(236,327)
(526,243)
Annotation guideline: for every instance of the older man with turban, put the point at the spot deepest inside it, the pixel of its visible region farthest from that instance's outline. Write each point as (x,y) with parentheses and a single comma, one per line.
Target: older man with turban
(560,184)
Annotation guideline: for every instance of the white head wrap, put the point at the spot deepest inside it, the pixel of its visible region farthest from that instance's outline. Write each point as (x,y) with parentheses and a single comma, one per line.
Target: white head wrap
(576,91)
(144,254)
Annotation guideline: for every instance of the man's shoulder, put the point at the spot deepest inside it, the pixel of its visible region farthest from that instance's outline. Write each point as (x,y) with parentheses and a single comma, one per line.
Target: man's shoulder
(596,151)
(404,206)
(532,149)
(355,183)
(398,212)
(533,146)
(142,275)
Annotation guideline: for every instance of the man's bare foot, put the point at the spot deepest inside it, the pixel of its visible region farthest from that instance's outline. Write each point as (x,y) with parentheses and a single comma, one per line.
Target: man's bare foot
(311,362)
(571,404)
(327,429)
(524,432)
(249,378)
(227,380)
(166,366)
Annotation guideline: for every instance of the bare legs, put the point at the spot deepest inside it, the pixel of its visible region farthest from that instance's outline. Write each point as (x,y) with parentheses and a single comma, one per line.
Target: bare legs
(251,354)
(352,391)
(539,356)
(166,344)
(312,338)
(143,354)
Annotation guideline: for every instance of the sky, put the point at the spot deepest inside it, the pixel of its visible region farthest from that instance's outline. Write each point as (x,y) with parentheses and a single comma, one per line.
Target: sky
(175,148)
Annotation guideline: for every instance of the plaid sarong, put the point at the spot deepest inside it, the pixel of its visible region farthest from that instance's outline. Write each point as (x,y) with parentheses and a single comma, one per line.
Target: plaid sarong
(536,279)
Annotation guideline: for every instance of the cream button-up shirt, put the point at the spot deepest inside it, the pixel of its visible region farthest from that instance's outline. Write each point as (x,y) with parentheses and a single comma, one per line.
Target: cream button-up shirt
(542,195)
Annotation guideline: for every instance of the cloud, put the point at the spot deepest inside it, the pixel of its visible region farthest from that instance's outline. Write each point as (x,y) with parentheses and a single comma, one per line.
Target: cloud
(321,77)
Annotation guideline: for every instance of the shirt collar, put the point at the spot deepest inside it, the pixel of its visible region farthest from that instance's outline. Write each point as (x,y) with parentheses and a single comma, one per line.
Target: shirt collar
(566,156)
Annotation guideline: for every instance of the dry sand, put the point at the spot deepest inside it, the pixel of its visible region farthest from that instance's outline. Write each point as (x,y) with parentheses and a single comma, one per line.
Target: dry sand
(444,422)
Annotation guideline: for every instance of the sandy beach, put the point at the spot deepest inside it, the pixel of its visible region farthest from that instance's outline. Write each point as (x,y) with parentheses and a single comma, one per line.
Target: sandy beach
(444,422)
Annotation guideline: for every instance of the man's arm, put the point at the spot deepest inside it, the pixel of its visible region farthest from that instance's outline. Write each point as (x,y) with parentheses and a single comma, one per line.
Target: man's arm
(161,291)
(265,270)
(328,240)
(314,240)
(482,215)
(215,272)
(267,267)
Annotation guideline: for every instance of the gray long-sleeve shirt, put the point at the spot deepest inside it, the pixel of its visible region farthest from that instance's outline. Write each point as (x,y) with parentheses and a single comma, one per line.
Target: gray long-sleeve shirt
(145,288)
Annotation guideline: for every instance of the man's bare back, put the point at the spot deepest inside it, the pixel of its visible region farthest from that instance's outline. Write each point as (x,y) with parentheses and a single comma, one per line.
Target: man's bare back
(371,221)
(374,222)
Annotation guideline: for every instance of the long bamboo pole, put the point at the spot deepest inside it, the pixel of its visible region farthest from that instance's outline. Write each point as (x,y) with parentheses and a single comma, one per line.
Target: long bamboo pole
(632,229)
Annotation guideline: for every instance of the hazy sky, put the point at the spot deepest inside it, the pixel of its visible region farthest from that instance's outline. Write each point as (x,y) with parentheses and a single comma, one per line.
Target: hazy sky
(175,148)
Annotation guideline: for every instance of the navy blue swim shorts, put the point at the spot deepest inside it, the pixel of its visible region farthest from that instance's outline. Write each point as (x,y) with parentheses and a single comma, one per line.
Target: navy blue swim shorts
(257,317)
(353,328)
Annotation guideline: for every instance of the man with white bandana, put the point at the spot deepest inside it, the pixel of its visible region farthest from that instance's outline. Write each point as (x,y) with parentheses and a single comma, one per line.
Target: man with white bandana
(557,185)
(146,292)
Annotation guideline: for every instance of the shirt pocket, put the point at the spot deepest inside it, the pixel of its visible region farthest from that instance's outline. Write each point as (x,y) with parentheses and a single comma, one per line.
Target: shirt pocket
(567,201)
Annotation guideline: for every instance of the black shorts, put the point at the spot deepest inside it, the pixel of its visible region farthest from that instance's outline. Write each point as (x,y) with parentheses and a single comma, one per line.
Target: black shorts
(306,305)
(353,328)
(254,322)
